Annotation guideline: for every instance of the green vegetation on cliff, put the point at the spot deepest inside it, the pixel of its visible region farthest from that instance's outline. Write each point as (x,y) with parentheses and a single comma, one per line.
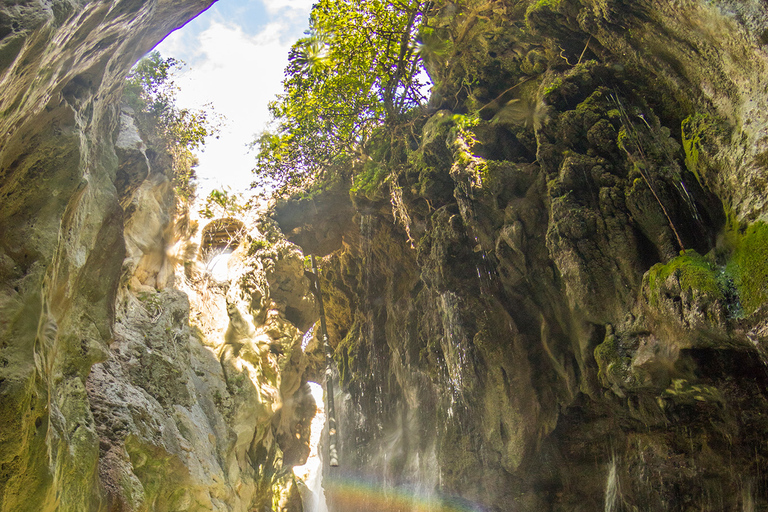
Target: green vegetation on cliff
(151,92)
(358,69)
(692,270)
(749,264)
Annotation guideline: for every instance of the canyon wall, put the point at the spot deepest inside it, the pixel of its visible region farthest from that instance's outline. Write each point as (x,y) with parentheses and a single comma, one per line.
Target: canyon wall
(131,376)
(549,293)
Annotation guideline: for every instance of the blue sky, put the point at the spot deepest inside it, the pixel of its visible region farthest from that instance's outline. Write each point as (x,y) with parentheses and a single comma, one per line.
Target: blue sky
(235,53)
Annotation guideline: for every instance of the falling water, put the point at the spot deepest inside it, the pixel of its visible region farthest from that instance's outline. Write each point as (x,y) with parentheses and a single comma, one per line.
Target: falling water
(369,328)
(217,265)
(612,491)
(307,338)
(466,201)
(748,498)
(311,473)
(454,345)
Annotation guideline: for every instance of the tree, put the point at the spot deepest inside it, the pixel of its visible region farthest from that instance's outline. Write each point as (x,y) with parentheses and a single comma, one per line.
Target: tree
(151,92)
(357,70)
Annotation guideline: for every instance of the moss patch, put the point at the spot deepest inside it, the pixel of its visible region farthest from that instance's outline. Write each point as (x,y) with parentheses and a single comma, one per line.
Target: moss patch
(346,354)
(692,270)
(691,129)
(613,363)
(370,179)
(749,264)
(541,8)
(683,392)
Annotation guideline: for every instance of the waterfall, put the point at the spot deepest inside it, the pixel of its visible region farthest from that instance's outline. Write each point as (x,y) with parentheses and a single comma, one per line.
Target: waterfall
(612,491)
(218,265)
(311,473)
(454,346)
(748,498)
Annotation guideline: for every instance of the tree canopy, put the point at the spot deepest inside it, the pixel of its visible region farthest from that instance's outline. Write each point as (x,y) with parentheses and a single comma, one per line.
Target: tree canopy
(151,91)
(358,68)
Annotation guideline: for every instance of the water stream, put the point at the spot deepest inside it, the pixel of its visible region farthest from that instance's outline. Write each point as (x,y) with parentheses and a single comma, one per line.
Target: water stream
(612,491)
(454,342)
(311,473)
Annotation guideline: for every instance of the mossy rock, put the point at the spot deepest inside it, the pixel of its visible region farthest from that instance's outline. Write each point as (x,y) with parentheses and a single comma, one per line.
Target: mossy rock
(749,264)
(699,132)
(535,62)
(346,353)
(369,182)
(542,13)
(693,271)
(614,363)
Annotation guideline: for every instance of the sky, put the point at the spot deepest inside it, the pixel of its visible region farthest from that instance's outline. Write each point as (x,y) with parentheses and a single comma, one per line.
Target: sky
(235,54)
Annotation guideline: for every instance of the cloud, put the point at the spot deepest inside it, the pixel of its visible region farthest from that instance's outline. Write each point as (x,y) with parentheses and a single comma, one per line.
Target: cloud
(276,6)
(239,73)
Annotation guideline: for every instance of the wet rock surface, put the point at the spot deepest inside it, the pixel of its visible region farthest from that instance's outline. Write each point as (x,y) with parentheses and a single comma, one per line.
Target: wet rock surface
(115,397)
(557,313)
(556,300)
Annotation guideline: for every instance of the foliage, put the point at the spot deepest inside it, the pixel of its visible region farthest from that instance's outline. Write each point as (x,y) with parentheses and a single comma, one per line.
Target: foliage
(151,91)
(358,68)
(369,180)
(220,203)
(466,121)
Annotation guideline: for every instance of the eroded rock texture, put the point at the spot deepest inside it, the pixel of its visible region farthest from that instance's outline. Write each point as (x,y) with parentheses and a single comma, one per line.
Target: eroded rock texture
(112,398)
(556,299)
(515,325)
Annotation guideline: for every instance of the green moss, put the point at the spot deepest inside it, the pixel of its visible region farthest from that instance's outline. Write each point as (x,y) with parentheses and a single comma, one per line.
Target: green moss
(749,264)
(369,179)
(613,365)
(256,246)
(541,5)
(345,354)
(534,63)
(693,271)
(595,102)
(553,86)
(691,130)
(621,139)
(465,122)
(683,392)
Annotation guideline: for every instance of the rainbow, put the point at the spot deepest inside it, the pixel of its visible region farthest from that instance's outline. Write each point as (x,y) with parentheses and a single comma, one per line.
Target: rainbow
(359,494)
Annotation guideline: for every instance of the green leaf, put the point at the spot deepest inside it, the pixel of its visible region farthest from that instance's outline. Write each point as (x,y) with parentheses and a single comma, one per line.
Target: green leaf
(357,69)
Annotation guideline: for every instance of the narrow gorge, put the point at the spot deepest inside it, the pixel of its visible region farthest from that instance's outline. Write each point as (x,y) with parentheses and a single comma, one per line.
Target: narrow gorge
(545,289)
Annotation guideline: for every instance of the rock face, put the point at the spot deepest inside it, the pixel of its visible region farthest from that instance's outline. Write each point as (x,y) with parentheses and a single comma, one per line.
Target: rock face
(557,299)
(112,397)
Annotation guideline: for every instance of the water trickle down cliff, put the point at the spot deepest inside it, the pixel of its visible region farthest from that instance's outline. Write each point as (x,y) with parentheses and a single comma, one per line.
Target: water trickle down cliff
(581,321)
(514,325)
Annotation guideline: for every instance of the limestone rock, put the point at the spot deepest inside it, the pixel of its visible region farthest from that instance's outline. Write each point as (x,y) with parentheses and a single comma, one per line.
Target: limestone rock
(577,325)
